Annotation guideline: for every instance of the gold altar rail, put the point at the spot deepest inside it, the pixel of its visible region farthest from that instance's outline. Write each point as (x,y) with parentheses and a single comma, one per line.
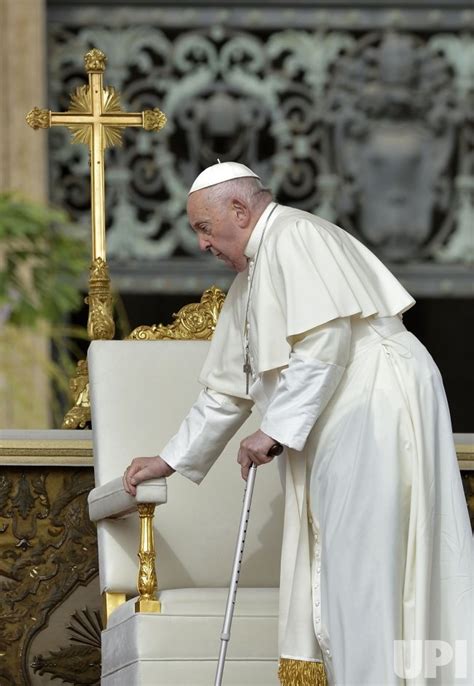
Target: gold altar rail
(48,450)
(465,455)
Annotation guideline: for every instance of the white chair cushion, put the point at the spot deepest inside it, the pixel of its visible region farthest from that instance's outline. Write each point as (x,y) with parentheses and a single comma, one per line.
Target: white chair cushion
(181,645)
(209,602)
(193,673)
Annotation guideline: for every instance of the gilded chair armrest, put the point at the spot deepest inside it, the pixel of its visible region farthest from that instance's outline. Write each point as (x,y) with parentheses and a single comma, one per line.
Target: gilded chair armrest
(111,501)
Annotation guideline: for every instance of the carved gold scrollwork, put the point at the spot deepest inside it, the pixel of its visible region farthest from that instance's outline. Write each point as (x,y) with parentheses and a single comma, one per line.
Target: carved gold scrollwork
(79,416)
(38,118)
(147,575)
(47,549)
(147,582)
(100,325)
(95,61)
(154,120)
(193,321)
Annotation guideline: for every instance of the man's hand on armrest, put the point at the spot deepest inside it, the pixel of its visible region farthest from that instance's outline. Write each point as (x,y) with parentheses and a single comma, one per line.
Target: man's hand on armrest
(144,468)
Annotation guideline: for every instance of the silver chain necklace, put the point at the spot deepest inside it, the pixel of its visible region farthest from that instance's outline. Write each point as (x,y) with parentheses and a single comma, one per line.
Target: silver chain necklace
(247,368)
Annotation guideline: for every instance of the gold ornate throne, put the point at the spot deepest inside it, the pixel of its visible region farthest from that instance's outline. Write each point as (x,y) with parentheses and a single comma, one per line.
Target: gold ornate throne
(140,390)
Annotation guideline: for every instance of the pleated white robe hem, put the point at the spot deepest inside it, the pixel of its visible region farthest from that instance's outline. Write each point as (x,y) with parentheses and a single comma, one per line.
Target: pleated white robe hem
(392,543)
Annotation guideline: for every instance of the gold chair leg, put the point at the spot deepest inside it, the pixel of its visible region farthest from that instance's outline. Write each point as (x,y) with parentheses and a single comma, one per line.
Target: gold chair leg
(110,602)
(147,584)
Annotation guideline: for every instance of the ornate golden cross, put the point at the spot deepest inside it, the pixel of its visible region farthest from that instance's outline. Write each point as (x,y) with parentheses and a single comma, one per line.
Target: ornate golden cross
(95,118)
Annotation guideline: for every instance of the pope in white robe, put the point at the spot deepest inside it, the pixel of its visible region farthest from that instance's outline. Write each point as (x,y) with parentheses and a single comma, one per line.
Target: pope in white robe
(377,564)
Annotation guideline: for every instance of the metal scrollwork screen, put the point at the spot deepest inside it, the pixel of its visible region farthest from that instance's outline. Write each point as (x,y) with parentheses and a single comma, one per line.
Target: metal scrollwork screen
(363,117)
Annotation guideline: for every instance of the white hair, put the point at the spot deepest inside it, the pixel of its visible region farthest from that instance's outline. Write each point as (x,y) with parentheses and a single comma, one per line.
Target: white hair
(248,190)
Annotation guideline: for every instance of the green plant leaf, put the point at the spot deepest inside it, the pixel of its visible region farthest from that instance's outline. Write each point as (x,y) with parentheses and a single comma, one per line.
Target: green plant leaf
(40,264)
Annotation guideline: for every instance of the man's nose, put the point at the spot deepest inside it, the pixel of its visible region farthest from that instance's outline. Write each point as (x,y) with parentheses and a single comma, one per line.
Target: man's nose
(204,243)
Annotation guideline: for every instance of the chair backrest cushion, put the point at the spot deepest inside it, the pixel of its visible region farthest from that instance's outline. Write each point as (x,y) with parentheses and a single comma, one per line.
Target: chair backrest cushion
(140,391)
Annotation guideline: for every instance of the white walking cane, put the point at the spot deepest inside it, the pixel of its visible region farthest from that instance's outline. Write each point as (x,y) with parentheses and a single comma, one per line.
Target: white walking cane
(276,449)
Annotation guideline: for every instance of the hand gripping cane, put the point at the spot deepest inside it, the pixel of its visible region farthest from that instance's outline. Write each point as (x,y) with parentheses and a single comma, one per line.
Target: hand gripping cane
(276,449)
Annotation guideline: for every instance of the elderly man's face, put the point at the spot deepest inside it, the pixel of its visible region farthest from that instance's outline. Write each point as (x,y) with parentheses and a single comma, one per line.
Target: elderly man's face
(221,230)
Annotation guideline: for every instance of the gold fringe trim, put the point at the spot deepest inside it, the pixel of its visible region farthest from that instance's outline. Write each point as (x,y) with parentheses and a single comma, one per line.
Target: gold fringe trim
(301,673)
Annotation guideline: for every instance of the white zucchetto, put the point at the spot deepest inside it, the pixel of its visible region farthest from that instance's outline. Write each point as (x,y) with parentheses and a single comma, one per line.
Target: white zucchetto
(218,173)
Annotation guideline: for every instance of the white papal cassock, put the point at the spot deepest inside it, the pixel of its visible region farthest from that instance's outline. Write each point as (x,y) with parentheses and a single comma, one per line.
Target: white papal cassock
(377,545)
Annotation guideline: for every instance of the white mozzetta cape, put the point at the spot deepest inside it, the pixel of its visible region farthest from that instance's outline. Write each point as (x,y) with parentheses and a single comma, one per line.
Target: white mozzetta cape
(308,272)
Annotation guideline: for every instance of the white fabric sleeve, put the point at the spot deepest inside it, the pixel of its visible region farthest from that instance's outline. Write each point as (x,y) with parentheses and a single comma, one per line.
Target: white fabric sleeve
(316,366)
(204,433)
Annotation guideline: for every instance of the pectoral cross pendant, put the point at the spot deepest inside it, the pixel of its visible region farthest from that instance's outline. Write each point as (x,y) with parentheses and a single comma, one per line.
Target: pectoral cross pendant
(247,371)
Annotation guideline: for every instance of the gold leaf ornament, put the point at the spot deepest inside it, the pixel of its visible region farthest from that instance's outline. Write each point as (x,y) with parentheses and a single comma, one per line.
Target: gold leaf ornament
(154,120)
(100,324)
(79,416)
(95,61)
(193,321)
(38,118)
(147,575)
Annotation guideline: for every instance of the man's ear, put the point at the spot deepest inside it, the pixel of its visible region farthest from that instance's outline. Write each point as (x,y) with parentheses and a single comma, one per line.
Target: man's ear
(241,213)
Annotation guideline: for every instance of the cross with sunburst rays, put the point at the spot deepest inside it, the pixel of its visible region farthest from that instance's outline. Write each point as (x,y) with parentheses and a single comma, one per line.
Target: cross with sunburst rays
(95,118)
